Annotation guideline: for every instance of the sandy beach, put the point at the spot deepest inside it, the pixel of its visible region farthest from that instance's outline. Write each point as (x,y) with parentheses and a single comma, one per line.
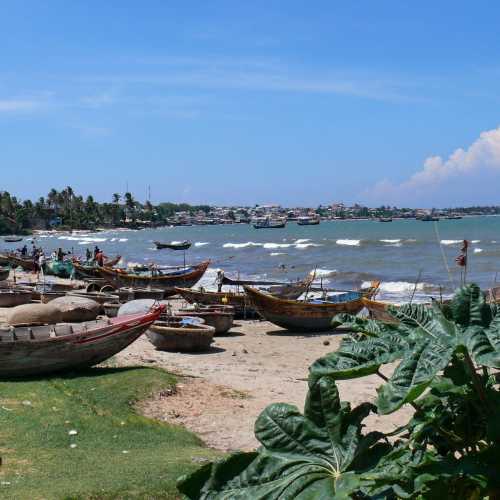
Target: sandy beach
(224,390)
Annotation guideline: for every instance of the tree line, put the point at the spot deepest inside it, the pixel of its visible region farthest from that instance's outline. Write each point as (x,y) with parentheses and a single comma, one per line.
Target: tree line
(68,210)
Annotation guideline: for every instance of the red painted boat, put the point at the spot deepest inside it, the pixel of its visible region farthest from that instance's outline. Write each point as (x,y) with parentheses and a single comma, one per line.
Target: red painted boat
(44,349)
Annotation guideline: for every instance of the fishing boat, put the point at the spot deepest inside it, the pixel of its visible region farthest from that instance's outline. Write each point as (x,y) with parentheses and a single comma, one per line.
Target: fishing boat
(166,280)
(14,260)
(185,334)
(88,269)
(285,290)
(313,315)
(221,319)
(378,310)
(173,245)
(26,351)
(385,219)
(4,273)
(429,218)
(453,217)
(238,300)
(12,239)
(268,223)
(309,220)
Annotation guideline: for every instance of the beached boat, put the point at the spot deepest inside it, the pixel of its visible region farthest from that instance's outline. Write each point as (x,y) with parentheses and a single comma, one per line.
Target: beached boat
(219,318)
(307,315)
(14,260)
(185,334)
(35,350)
(285,290)
(238,300)
(4,273)
(378,310)
(89,269)
(166,280)
(269,223)
(12,239)
(308,220)
(173,245)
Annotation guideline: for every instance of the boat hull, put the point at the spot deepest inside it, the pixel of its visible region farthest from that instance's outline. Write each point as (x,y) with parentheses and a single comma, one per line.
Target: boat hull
(168,283)
(240,302)
(298,315)
(23,356)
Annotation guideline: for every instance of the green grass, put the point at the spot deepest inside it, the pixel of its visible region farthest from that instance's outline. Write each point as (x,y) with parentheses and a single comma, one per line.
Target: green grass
(38,462)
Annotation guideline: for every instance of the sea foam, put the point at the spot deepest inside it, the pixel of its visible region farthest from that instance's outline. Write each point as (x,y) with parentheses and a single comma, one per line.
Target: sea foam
(351,243)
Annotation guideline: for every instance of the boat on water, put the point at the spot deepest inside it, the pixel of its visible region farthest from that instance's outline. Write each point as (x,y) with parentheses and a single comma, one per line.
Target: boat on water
(453,217)
(167,280)
(312,315)
(429,218)
(13,239)
(385,219)
(173,245)
(34,350)
(268,223)
(309,220)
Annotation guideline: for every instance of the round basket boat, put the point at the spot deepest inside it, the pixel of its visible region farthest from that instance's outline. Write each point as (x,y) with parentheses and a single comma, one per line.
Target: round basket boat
(14,297)
(176,334)
(111,309)
(46,297)
(222,321)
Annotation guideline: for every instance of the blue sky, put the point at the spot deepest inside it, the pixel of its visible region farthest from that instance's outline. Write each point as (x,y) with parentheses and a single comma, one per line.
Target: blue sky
(227,102)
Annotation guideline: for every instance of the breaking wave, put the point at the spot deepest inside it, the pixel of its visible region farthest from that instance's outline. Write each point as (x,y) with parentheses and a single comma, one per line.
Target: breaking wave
(451,242)
(391,241)
(351,243)
(201,243)
(478,250)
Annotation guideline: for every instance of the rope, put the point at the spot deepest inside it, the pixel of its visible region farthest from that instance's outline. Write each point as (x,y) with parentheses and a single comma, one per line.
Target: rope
(450,277)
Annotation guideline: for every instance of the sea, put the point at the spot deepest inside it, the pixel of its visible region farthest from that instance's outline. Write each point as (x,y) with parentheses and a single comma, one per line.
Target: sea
(410,257)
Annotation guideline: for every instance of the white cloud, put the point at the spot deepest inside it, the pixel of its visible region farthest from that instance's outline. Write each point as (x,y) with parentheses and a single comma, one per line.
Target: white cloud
(18,105)
(482,155)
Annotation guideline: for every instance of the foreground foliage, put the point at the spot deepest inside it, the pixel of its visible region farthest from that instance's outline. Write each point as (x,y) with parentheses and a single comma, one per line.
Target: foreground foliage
(446,359)
(116,454)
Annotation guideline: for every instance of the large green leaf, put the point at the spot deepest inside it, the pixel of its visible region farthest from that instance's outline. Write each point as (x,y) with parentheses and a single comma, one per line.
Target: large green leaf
(414,374)
(321,454)
(358,358)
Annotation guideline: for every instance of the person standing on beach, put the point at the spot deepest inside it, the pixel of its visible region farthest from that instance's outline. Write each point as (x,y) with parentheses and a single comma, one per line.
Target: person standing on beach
(100,258)
(219,280)
(41,263)
(88,254)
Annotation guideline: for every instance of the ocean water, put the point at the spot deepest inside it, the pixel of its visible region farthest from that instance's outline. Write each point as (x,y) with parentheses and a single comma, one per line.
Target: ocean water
(345,254)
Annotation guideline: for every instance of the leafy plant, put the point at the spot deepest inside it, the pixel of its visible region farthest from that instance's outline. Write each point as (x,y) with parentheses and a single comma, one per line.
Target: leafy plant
(446,358)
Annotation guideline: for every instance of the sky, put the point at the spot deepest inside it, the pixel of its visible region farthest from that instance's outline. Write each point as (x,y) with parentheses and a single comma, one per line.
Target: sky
(237,102)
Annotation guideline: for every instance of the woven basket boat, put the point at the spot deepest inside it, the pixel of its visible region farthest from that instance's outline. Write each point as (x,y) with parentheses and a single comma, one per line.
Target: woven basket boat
(176,334)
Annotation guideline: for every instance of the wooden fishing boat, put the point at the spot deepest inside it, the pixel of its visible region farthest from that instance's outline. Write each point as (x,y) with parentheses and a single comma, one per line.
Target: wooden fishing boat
(12,259)
(166,280)
(307,315)
(378,310)
(44,349)
(269,223)
(385,219)
(238,300)
(173,245)
(309,220)
(12,239)
(187,334)
(4,273)
(219,319)
(284,290)
(89,269)
(99,297)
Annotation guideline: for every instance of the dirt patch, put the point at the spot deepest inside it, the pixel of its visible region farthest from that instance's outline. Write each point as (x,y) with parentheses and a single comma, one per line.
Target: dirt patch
(204,408)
